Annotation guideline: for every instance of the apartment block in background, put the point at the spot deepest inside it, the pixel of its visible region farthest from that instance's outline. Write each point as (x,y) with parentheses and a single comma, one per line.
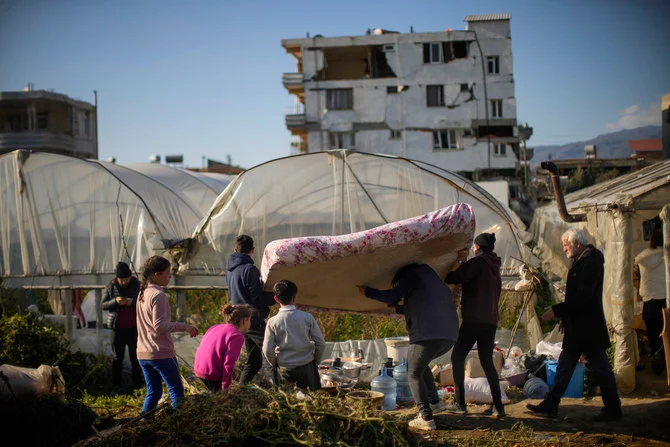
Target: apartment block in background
(46,121)
(446,98)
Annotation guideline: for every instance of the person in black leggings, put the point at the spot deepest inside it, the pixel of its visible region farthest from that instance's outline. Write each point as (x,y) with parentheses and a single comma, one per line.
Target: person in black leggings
(480,277)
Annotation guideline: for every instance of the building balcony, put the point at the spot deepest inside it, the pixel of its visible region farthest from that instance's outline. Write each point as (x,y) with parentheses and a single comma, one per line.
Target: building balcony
(296,121)
(41,140)
(294,83)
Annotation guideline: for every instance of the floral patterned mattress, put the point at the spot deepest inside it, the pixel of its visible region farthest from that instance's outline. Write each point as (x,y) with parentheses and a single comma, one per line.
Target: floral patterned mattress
(327,269)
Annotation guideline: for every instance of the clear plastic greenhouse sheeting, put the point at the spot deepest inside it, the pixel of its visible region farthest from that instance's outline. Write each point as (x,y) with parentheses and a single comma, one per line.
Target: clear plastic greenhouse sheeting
(200,190)
(65,216)
(333,193)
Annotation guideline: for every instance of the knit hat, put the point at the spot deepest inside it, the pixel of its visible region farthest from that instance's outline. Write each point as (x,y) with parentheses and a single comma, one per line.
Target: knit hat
(486,241)
(123,271)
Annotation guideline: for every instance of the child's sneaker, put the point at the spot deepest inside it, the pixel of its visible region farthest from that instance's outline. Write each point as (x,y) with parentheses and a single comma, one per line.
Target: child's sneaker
(454,408)
(438,407)
(421,424)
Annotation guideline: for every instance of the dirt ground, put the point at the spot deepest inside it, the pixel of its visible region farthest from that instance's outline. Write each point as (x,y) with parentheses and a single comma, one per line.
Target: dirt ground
(646,421)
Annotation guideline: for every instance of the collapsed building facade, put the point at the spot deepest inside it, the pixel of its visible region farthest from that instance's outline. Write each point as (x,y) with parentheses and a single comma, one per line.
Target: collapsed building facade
(444,98)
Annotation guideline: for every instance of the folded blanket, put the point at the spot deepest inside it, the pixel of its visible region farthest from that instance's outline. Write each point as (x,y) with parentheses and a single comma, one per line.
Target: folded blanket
(327,269)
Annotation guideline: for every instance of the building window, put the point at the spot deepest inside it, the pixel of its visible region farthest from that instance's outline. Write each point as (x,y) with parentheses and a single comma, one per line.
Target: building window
(496,108)
(341,140)
(392,89)
(465,88)
(432,53)
(87,124)
(499,149)
(395,134)
(445,139)
(435,95)
(42,121)
(493,63)
(339,99)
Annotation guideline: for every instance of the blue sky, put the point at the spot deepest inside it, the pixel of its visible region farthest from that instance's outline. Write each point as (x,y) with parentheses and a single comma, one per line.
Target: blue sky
(203,78)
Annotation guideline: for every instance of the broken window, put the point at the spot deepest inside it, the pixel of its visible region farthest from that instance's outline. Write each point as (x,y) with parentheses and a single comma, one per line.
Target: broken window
(395,134)
(465,87)
(445,139)
(392,89)
(434,95)
(496,108)
(355,62)
(493,63)
(439,52)
(499,149)
(341,140)
(339,99)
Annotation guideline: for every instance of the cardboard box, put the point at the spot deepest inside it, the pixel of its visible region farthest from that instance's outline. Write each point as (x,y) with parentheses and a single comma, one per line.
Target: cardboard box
(473,368)
(444,375)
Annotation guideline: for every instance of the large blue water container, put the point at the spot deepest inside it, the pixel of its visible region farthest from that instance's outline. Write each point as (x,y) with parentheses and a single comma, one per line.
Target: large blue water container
(404,394)
(575,387)
(388,387)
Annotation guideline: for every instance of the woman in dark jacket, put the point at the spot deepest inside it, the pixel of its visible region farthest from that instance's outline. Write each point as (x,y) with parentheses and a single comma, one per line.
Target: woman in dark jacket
(432,325)
(480,277)
(119,300)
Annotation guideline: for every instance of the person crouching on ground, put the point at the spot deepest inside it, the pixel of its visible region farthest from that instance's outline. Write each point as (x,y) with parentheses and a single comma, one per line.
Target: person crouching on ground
(585,329)
(220,347)
(432,325)
(480,277)
(155,348)
(293,341)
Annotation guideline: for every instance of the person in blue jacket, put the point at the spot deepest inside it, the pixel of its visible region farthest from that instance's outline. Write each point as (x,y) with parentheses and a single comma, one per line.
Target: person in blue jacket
(432,325)
(245,287)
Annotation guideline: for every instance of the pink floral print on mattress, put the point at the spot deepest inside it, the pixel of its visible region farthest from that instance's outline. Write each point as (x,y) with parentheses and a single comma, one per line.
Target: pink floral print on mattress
(458,218)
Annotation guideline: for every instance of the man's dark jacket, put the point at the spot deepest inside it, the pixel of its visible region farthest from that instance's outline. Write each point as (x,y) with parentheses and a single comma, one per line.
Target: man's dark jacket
(582,311)
(113,290)
(245,287)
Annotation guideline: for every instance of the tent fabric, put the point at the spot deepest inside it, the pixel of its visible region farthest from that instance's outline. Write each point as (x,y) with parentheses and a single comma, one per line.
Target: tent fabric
(615,211)
(68,220)
(328,268)
(334,193)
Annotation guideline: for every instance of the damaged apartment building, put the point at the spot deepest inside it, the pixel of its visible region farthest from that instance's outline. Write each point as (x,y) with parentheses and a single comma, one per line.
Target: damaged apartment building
(445,98)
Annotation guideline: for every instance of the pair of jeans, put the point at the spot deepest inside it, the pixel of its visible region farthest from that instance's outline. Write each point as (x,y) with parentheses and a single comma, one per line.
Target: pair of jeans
(485,335)
(599,364)
(157,371)
(125,337)
(253,343)
(419,375)
(652,314)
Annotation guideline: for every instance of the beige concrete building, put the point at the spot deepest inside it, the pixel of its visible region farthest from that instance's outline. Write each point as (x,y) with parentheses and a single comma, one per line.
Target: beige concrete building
(46,121)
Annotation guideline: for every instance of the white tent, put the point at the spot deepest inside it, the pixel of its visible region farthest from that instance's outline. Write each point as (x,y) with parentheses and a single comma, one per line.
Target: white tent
(66,222)
(337,192)
(615,211)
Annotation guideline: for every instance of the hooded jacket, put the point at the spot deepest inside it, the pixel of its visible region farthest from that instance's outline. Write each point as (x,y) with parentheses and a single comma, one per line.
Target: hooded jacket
(113,290)
(652,273)
(482,285)
(582,311)
(429,309)
(245,287)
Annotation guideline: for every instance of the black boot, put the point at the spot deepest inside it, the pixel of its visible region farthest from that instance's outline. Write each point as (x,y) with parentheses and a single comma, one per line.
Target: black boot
(545,408)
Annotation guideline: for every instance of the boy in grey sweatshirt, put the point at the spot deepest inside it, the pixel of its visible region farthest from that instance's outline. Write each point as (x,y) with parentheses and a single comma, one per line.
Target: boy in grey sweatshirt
(293,341)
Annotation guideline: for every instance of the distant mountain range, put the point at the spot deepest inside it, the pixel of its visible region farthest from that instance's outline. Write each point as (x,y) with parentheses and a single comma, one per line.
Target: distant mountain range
(609,145)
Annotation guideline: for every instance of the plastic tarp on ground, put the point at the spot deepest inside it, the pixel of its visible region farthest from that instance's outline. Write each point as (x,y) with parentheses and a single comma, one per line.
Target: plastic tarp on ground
(66,221)
(615,212)
(333,193)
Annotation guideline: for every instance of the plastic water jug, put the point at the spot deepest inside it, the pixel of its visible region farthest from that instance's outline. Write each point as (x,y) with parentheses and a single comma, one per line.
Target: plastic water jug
(404,394)
(388,387)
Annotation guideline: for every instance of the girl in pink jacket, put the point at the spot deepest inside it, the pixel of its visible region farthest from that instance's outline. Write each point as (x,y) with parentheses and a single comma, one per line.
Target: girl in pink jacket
(220,347)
